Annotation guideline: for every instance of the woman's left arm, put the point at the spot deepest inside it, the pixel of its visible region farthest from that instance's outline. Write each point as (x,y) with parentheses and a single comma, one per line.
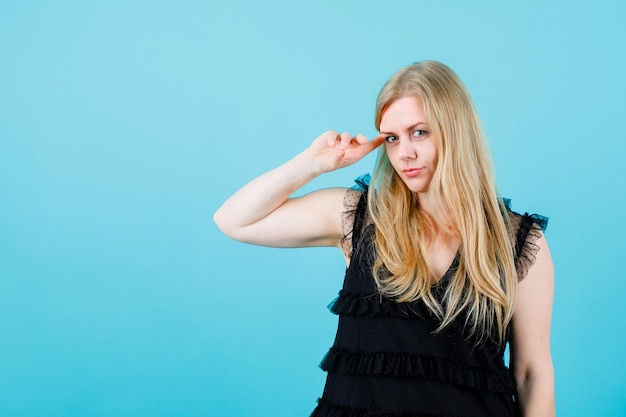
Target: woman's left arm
(531,362)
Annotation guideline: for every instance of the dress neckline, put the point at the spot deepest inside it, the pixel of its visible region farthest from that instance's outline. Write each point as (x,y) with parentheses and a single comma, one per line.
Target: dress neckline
(454,265)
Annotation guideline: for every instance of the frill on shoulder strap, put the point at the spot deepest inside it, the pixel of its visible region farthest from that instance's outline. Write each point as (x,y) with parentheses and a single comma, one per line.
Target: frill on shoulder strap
(355,211)
(362,183)
(527,229)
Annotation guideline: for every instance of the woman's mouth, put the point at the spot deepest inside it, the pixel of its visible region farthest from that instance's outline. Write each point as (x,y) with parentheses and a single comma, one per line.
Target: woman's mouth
(412,172)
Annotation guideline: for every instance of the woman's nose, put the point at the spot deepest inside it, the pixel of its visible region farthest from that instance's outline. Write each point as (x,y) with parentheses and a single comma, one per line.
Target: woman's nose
(407,150)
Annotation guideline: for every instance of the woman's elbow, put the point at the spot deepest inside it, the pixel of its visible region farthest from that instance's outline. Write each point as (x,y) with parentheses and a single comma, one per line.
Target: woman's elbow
(535,388)
(224,223)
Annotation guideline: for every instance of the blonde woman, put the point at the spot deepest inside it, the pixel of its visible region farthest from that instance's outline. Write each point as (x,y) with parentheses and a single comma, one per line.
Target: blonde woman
(441,274)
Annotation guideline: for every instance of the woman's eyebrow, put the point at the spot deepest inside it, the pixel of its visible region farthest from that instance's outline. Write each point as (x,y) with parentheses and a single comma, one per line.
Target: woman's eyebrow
(408,128)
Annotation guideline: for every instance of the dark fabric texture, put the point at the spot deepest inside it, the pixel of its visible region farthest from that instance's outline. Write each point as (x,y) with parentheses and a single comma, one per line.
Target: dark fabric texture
(387,360)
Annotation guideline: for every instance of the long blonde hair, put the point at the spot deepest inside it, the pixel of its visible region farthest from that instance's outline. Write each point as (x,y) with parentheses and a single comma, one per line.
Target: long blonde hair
(463,186)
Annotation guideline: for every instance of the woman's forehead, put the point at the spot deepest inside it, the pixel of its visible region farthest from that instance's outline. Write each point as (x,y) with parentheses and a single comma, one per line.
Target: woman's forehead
(403,113)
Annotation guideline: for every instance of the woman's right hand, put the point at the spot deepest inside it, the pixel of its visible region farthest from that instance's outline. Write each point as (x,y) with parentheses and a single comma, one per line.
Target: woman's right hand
(332,150)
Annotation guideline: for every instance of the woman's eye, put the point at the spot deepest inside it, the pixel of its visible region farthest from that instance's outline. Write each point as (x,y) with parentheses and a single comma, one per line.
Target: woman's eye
(419,133)
(391,139)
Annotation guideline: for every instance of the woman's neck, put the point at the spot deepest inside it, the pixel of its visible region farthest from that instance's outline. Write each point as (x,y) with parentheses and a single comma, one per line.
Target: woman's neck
(443,221)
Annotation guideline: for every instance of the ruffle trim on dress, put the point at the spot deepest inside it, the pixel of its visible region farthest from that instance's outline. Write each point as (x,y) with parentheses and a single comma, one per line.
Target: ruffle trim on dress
(529,230)
(411,365)
(362,183)
(354,209)
(351,304)
(327,408)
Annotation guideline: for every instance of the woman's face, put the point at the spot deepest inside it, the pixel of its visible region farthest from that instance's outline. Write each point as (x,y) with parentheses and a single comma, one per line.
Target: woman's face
(410,145)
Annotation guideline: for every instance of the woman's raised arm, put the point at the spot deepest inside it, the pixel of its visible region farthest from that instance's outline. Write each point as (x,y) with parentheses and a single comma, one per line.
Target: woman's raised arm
(262,212)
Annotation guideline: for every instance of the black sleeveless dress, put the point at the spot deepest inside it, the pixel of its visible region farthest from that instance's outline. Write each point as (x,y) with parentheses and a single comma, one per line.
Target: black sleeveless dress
(387,359)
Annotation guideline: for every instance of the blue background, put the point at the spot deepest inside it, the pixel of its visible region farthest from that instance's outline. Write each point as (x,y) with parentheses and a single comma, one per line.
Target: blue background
(125,124)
